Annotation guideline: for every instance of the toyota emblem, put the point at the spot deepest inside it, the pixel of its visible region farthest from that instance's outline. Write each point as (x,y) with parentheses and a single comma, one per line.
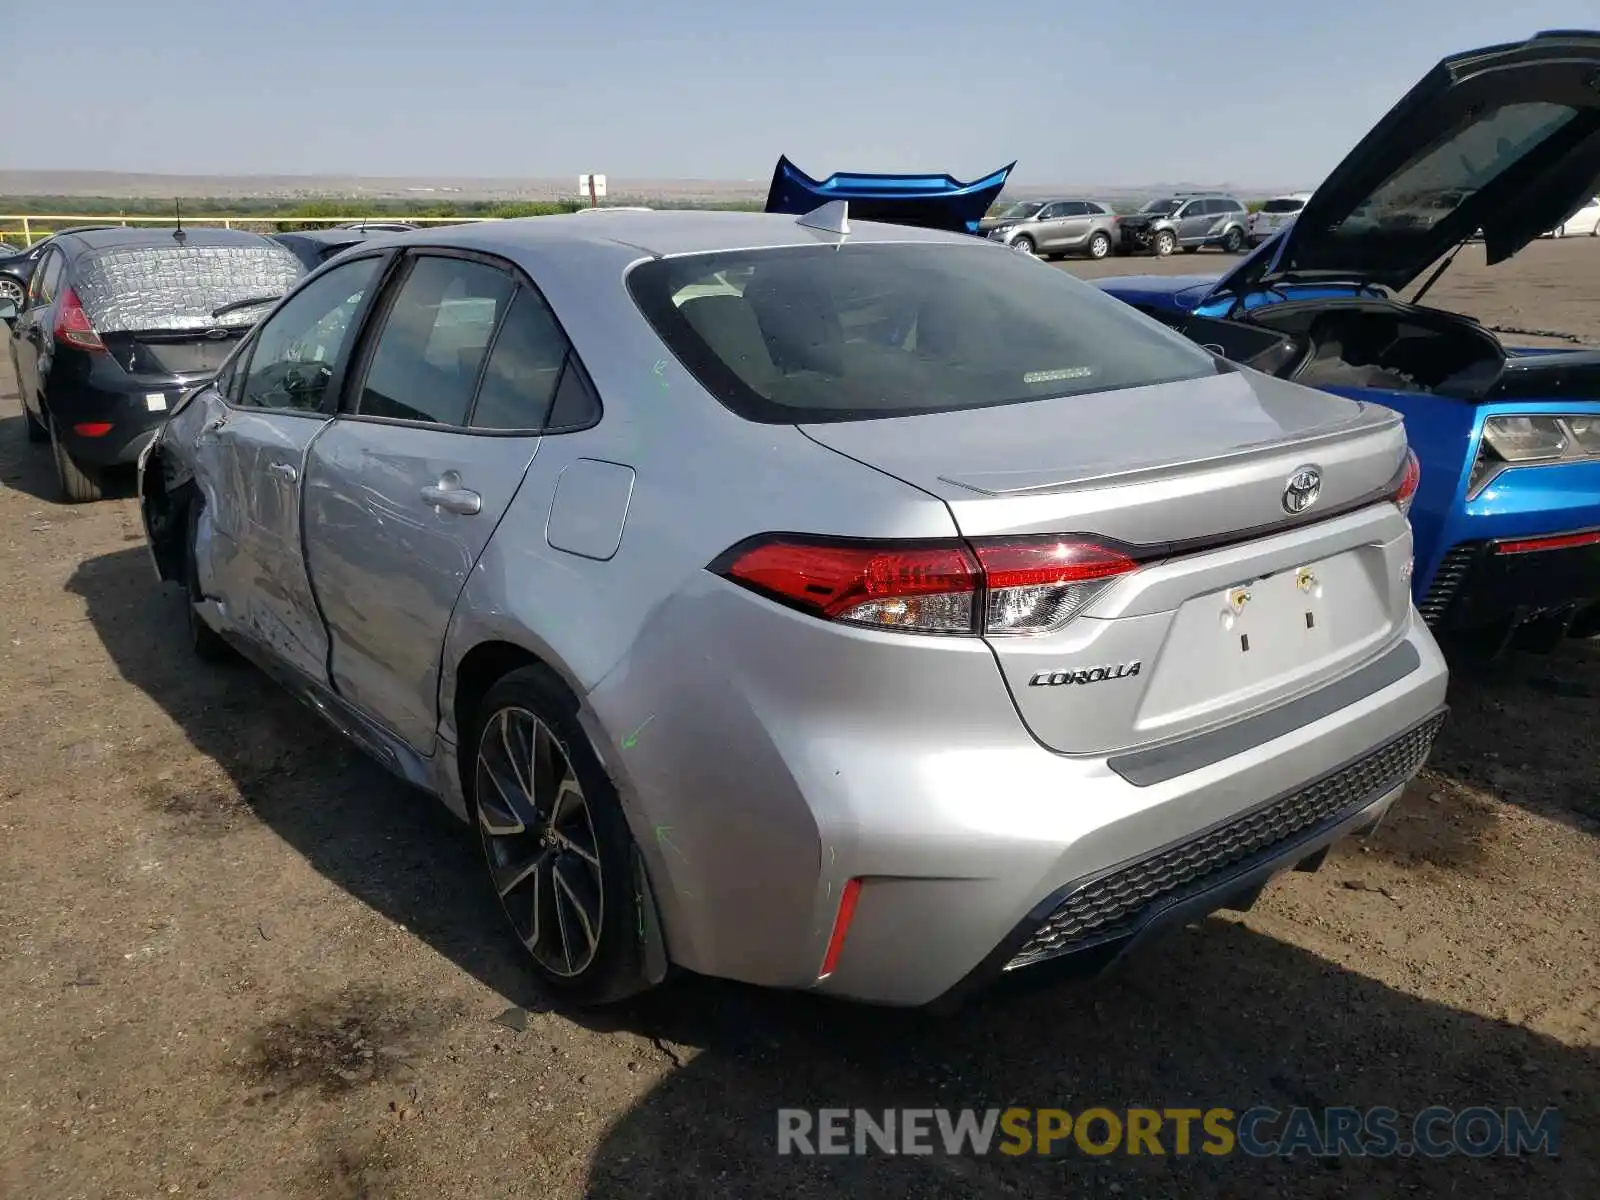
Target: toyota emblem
(1302,490)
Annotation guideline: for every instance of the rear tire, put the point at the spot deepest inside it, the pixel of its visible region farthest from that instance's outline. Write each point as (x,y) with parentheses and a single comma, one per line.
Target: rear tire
(563,865)
(37,432)
(1099,246)
(207,644)
(79,484)
(1165,243)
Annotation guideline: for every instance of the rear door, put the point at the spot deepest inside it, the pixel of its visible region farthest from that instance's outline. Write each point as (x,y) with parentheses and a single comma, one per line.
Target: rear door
(250,456)
(1073,227)
(32,343)
(404,490)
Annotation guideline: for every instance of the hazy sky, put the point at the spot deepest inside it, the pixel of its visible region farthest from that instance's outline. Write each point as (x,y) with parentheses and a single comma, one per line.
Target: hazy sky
(1158,90)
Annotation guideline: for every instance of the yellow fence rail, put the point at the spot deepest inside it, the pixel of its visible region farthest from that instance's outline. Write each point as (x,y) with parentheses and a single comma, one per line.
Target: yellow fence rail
(31,227)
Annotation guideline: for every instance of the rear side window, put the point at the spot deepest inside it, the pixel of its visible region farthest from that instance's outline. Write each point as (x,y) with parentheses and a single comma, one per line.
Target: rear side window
(524,369)
(130,289)
(857,332)
(45,281)
(434,341)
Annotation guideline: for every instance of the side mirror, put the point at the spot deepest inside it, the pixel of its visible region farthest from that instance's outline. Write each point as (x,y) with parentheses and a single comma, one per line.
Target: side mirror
(8,311)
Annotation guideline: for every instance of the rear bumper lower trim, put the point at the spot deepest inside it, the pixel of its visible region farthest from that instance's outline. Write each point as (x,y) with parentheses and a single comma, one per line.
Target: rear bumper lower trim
(1161,763)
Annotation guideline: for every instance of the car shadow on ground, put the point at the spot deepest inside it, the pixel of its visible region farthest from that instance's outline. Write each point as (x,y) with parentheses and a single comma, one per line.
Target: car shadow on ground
(1217,1016)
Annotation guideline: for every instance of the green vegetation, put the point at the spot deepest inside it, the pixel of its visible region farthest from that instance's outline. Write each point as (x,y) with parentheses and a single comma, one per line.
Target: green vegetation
(271,215)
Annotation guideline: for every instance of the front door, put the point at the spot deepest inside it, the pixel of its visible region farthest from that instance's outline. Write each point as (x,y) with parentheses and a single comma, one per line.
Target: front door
(249,458)
(404,490)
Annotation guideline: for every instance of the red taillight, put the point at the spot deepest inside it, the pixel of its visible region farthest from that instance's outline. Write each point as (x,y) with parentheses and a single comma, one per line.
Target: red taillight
(1040,584)
(92,428)
(1000,586)
(1406,488)
(74,327)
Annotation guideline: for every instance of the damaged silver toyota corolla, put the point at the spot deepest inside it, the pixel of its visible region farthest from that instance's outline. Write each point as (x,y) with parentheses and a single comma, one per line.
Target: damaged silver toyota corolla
(819,604)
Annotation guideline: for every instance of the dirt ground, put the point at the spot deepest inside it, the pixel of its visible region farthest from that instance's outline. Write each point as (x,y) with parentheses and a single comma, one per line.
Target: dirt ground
(239,961)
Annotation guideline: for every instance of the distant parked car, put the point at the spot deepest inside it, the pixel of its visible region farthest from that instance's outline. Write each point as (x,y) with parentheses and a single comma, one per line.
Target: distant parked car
(1186,221)
(1051,228)
(1275,215)
(1583,223)
(379,226)
(1015,628)
(16,266)
(313,247)
(117,323)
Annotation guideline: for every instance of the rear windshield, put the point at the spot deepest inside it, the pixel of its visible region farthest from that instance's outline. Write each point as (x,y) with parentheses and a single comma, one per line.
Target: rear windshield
(1287,205)
(857,332)
(141,288)
(1444,176)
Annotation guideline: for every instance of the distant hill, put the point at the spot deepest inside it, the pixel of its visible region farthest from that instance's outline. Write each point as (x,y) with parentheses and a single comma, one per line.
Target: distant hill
(121,185)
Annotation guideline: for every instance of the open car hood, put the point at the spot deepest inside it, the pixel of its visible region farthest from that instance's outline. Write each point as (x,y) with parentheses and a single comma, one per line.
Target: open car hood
(928,201)
(1505,140)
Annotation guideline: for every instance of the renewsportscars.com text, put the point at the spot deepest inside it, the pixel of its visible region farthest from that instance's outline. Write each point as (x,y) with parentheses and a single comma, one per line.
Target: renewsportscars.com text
(1258,1132)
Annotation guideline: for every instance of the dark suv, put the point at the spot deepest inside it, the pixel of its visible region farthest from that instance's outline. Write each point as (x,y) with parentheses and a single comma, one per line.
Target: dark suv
(117,323)
(1186,221)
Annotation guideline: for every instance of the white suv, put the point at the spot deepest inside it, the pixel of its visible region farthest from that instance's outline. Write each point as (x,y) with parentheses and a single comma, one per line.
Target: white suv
(1276,214)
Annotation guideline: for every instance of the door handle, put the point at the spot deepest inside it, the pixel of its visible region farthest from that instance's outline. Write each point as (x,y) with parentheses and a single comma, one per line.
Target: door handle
(284,471)
(449,496)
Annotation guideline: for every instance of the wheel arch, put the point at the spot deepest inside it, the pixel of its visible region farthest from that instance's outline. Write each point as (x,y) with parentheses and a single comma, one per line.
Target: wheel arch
(483,665)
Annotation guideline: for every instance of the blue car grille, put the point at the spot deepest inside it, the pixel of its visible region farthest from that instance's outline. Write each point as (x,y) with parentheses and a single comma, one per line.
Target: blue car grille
(1120,903)
(1453,570)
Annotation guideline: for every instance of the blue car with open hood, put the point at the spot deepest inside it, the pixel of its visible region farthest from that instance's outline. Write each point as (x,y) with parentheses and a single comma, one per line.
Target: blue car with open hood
(1500,143)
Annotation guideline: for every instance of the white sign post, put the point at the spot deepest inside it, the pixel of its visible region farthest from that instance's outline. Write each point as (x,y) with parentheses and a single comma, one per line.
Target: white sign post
(594,186)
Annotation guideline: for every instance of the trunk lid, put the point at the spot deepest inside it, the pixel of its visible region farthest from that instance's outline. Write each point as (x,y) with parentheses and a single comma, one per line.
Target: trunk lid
(1215,623)
(170,355)
(1504,139)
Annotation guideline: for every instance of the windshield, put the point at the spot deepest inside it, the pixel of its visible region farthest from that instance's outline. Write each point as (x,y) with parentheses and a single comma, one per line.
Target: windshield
(1022,208)
(141,288)
(856,332)
(1286,205)
(1163,207)
(1430,187)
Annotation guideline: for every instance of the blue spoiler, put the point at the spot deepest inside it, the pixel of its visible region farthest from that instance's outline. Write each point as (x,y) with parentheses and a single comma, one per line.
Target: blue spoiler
(929,201)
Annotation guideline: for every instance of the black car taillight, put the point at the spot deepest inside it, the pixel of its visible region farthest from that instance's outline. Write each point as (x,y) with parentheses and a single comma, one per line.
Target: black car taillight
(74,327)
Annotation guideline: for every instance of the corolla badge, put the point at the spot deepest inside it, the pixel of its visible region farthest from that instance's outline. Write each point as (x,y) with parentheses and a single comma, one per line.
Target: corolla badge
(1302,490)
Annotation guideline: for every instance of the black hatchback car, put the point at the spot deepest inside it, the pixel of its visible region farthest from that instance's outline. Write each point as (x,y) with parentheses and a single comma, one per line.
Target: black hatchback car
(117,323)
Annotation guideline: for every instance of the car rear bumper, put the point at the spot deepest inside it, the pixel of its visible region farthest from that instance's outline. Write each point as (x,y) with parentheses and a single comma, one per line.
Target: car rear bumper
(109,425)
(1482,584)
(758,806)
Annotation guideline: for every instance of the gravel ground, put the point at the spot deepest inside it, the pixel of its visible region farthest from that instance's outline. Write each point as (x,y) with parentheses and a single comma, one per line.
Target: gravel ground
(240,961)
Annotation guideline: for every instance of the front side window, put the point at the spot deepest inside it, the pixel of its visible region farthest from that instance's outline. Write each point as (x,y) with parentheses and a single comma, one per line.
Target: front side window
(434,340)
(297,348)
(856,332)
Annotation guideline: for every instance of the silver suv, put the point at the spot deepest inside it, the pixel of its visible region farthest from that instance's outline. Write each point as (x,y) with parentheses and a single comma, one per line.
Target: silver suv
(1187,221)
(1051,228)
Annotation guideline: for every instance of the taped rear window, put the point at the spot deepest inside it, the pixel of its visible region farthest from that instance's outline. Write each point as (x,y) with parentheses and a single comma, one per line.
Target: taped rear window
(140,288)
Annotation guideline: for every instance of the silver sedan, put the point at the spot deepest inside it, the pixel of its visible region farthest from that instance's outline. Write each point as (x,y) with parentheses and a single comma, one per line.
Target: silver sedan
(818,604)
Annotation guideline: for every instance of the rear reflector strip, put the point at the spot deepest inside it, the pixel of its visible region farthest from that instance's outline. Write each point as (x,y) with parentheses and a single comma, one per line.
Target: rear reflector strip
(1565,541)
(92,428)
(841,926)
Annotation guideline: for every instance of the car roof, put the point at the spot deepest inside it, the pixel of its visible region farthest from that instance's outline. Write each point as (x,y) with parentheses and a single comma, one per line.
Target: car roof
(668,232)
(339,235)
(114,237)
